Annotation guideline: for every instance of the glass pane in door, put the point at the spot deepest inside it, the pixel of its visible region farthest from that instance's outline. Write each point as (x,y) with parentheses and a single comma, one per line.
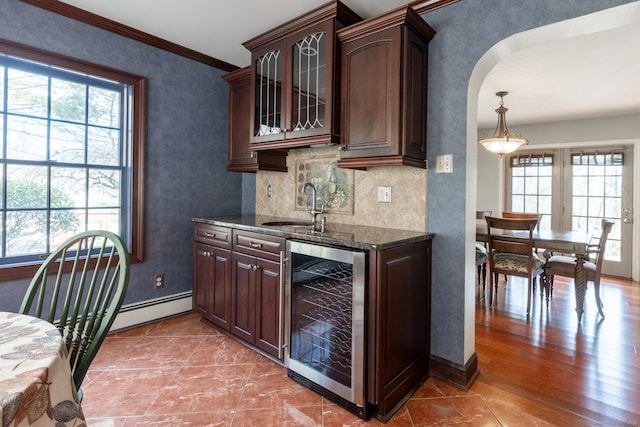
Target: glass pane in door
(268,108)
(309,82)
(531,186)
(597,194)
(321,316)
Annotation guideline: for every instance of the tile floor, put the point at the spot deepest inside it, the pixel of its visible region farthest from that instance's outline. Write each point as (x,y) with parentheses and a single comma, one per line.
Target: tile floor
(182,372)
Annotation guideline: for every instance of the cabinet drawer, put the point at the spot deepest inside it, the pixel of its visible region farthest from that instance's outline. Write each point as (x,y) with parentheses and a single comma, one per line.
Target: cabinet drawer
(260,245)
(212,235)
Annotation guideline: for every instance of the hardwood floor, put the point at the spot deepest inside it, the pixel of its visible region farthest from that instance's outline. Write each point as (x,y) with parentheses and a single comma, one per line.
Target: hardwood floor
(551,366)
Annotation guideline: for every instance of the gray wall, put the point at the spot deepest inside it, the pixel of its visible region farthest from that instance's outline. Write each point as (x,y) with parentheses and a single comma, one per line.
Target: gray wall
(187,120)
(465,31)
(248,193)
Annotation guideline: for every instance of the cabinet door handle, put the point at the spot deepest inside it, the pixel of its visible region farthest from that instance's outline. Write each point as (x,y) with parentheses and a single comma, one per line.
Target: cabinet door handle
(255,245)
(209,234)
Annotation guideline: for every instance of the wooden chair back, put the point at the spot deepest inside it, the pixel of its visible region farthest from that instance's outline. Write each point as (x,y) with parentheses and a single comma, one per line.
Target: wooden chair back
(80,288)
(512,255)
(523,215)
(483,214)
(502,242)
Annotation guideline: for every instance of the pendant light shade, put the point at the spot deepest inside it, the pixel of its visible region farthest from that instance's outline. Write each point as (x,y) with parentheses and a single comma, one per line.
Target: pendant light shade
(501,142)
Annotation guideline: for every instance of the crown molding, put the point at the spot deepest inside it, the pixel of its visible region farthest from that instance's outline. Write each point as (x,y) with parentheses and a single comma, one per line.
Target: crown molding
(81,15)
(424,6)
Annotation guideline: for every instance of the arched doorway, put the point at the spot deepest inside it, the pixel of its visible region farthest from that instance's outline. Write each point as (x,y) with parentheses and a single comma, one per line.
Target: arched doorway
(592,24)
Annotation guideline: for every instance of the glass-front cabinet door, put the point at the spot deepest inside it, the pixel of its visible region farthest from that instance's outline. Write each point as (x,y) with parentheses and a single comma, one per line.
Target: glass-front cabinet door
(293,87)
(268,119)
(309,84)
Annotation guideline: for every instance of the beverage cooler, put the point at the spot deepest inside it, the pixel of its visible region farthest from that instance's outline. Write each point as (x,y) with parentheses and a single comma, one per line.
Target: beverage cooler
(325,322)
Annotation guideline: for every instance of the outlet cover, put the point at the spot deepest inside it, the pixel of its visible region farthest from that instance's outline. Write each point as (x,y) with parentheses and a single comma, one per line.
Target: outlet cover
(158,281)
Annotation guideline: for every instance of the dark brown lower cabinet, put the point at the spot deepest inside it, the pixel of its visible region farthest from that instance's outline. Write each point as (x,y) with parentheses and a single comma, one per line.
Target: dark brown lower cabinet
(212,284)
(243,315)
(239,286)
(256,303)
(212,273)
(240,290)
(399,324)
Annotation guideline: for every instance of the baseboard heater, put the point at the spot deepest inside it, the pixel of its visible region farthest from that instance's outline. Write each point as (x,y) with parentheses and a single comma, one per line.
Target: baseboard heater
(139,313)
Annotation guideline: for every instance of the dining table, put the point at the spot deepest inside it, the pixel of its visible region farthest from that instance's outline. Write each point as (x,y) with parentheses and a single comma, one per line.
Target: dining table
(36,384)
(566,242)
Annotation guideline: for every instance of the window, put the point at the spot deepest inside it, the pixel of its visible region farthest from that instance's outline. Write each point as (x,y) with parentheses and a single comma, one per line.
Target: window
(531,184)
(71,141)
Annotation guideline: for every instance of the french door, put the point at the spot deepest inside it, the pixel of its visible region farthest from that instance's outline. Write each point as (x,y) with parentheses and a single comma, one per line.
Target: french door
(575,189)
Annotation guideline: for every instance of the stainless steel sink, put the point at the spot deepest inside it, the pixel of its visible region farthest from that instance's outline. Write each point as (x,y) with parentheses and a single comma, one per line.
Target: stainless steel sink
(288,223)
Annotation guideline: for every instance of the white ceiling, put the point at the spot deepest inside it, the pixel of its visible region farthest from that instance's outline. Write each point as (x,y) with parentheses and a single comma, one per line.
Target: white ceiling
(216,28)
(586,76)
(579,77)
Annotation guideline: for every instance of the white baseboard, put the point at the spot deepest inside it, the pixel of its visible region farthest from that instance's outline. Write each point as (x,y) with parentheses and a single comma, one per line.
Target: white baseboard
(148,311)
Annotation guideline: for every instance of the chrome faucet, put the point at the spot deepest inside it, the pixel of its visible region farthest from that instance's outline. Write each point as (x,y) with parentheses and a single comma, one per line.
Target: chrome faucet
(314,209)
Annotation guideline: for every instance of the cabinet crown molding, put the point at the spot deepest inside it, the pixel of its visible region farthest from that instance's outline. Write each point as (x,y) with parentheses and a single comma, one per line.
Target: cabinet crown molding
(400,16)
(332,9)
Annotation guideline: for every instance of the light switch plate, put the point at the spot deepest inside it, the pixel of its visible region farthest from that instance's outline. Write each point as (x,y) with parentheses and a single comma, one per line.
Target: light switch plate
(384,194)
(444,163)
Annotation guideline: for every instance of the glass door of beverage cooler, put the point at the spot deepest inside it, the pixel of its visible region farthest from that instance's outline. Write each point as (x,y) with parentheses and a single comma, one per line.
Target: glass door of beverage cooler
(326,318)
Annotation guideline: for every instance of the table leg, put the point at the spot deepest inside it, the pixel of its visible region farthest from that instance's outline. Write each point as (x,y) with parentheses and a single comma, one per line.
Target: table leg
(580,280)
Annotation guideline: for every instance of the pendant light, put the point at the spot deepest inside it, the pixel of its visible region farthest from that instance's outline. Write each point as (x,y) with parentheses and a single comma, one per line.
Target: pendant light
(501,142)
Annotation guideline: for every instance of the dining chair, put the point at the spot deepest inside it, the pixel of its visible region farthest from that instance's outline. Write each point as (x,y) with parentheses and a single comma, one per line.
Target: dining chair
(562,265)
(481,253)
(525,215)
(513,255)
(80,288)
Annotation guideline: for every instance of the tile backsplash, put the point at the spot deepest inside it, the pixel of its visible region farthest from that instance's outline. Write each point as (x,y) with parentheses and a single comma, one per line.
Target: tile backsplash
(406,211)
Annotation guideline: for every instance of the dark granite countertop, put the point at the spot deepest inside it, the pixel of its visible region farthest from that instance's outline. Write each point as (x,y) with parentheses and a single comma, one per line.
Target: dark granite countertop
(335,234)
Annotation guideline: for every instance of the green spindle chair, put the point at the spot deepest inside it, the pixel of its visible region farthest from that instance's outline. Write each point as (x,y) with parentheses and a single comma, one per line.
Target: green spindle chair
(81,294)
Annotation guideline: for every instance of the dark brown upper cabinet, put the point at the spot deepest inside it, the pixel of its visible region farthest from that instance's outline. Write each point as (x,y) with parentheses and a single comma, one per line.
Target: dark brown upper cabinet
(241,159)
(295,80)
(384,91)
